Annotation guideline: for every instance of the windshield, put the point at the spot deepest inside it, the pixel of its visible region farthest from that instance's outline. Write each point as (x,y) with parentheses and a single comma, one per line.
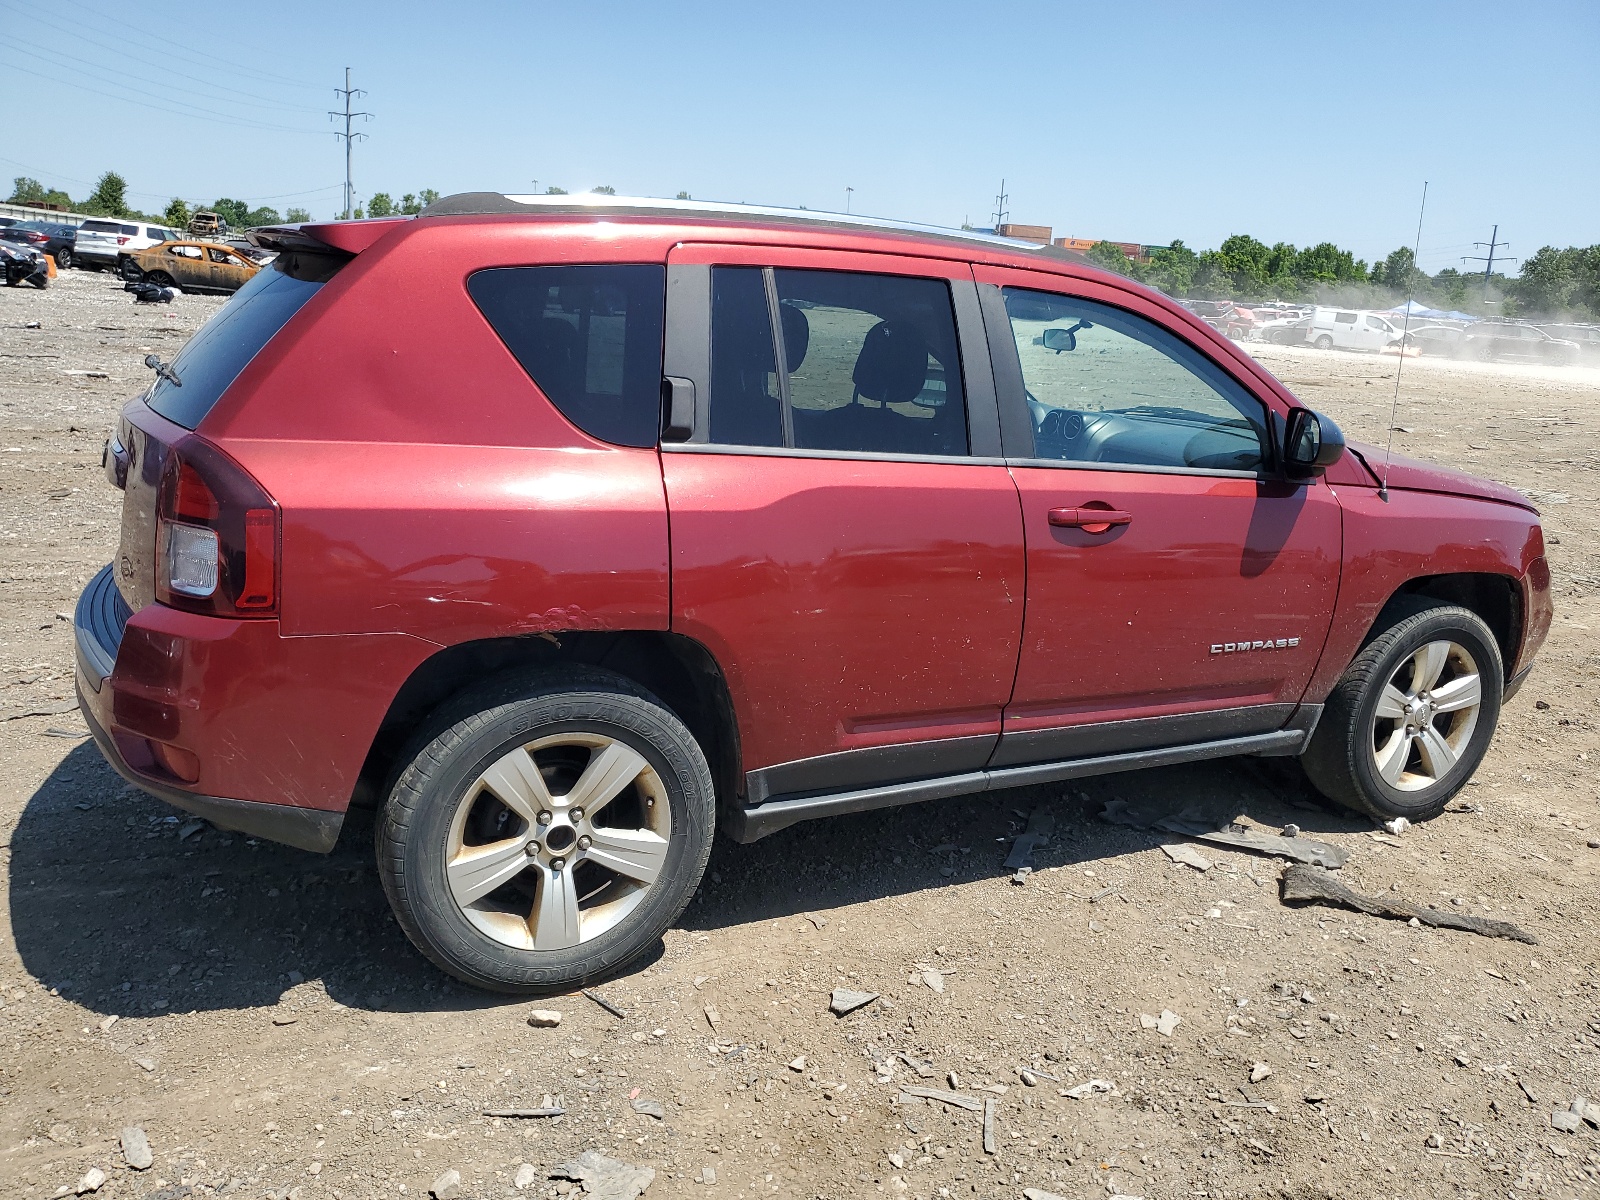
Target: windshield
(214,357)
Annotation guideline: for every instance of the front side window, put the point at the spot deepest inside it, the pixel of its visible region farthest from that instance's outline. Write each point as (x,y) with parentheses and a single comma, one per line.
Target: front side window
(589,337)
(1105,386)
(870,362)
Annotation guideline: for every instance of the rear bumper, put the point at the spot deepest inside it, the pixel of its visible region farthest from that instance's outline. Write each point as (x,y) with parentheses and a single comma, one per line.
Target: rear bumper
(303,828)
(229,720)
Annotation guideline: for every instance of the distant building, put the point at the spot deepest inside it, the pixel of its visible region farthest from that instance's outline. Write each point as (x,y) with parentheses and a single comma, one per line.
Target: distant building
(1037,234)
(1133,251)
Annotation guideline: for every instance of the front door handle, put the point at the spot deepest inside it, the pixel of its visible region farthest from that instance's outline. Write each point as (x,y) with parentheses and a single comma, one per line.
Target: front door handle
(1089,519)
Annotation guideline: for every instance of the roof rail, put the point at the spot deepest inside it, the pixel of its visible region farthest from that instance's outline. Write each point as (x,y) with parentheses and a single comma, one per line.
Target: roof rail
(599,204)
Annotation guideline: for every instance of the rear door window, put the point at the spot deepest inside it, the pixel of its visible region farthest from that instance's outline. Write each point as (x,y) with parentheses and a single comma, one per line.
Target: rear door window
(871,363)
(213,358)
(589,337)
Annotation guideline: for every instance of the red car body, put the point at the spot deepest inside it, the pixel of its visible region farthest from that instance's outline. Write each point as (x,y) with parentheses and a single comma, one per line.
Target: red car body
(839,631)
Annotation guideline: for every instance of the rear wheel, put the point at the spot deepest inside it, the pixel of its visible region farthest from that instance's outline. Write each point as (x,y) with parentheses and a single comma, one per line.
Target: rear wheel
(63,258)
(1412,716)
(550,833)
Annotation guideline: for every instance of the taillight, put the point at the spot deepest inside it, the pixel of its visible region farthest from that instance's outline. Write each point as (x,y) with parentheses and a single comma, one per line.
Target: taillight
(216,536)
(122,241)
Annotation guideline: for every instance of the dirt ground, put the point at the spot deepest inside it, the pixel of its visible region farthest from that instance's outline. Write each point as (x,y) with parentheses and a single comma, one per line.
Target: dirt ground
(258,1013)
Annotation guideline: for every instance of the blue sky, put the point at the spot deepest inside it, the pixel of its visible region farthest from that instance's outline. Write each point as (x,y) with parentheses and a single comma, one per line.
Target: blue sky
(1138,122)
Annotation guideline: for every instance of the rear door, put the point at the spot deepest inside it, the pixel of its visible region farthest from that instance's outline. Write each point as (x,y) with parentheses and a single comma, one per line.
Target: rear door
(1177,591)
(845,537)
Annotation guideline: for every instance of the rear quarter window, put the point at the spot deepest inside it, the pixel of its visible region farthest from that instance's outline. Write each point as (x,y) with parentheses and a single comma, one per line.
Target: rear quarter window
(589,337)
(213,358)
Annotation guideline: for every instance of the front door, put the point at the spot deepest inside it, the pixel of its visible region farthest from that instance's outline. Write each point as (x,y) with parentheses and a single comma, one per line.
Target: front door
(1176,591)
(846,540)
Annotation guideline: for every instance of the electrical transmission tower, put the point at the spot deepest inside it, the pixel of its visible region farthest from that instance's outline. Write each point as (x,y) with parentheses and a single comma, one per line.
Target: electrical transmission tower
(1493,244)
(1000,202)
(349,93)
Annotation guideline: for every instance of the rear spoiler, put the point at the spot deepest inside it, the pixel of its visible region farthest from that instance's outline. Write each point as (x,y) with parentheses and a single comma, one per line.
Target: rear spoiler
(351,237)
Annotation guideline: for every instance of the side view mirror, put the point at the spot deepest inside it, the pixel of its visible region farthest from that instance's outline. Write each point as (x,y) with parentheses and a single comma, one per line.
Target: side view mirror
(153,361)
(1061,340)
(1311,443)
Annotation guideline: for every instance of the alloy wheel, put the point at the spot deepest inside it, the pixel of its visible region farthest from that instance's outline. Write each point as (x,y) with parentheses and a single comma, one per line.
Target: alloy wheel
(1425,715)
(558,840)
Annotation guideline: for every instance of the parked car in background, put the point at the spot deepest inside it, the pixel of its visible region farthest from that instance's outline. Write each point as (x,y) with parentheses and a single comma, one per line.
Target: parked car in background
(22,264)
(1283,331)
(192,266)
(101,240)
(1434,341)
(47,237)
(564,530)
(1507,341)
(1351,329)
(1586,337)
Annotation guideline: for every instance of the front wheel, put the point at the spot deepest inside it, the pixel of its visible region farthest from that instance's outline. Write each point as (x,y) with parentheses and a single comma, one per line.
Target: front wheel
(1324,342)
(1412,716)
(549,835)
(160,279)
(63,258)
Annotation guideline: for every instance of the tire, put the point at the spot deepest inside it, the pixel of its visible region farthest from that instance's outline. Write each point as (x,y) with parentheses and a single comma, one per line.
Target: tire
(658,824)
(160,279)
(1355,741)
(64,258)
(1324,342)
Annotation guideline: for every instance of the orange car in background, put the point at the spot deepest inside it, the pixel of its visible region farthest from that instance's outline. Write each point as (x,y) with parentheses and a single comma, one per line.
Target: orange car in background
(192,266)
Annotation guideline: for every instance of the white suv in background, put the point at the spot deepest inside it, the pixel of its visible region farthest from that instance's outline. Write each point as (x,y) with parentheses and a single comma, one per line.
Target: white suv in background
(102,239)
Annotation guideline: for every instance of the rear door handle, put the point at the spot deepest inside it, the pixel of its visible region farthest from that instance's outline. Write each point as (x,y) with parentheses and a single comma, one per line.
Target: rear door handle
(1090,520)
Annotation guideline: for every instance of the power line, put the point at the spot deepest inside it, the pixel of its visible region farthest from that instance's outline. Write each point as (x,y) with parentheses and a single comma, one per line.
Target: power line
(349,93)
(234,66)
(251,99)
(139,84)
(236,123)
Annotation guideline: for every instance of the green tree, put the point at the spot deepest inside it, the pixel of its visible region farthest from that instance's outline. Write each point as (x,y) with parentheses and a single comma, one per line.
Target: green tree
(258,217)
(1399,271)
(296,216)
(1170,268)
(234,212)
(555,191)
(604,190)
(1326,263)
(686,196)
(409,205)
(177,214)
(109,198)
(1108,255)
(1211,276)
(358,214)
(26,191)
(1245,261)
(427,196)
(1450,286)
(381,205)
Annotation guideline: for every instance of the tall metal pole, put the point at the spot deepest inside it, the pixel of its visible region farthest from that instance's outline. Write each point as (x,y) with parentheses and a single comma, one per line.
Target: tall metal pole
(1493,244)
(349,137)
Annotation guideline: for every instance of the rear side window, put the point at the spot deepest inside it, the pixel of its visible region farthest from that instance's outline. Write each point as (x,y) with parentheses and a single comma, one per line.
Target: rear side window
(589,337)
(213,358)
(870,362)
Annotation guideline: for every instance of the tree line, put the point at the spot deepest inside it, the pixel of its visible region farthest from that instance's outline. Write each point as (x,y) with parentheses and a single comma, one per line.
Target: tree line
(1551,283)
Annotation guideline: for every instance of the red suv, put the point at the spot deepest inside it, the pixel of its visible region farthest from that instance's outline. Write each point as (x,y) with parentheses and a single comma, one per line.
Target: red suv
(564,532)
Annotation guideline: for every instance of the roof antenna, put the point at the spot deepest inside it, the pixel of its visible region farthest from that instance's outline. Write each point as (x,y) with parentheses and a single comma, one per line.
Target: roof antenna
(1405,330)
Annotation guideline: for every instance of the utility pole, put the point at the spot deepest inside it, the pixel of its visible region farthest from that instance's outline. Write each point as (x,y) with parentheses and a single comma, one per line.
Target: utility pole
(1487,260)
(848,193)
(1000,211)
(349,93)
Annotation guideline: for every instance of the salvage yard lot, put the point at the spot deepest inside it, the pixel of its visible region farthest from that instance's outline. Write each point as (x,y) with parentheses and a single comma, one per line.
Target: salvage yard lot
(259,1014)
